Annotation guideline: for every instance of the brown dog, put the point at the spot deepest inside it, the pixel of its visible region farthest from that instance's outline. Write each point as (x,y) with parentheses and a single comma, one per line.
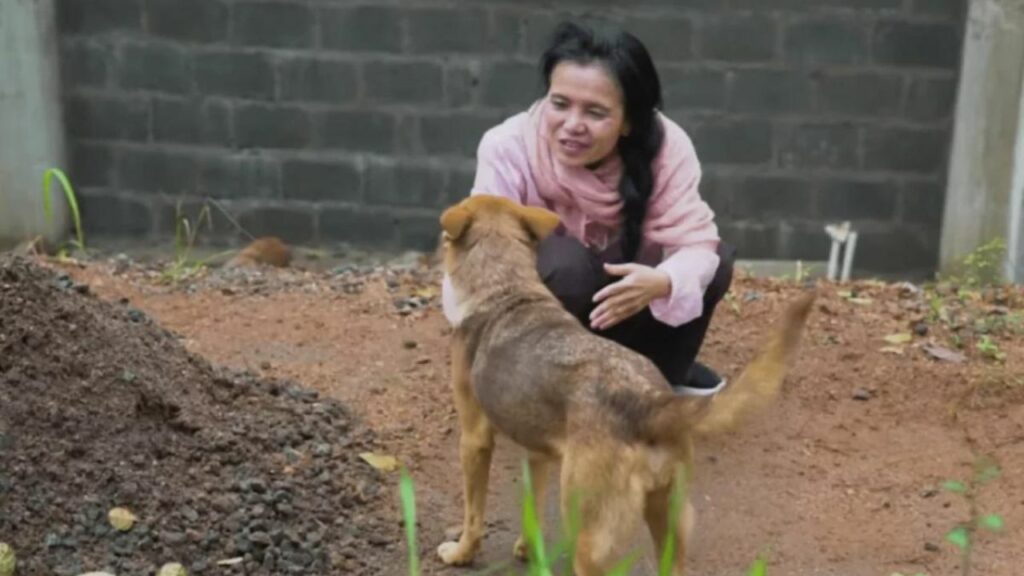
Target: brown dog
(523,366)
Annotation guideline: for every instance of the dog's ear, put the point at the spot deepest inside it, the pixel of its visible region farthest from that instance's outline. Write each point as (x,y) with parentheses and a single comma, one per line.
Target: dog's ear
(455,220)
(539,221)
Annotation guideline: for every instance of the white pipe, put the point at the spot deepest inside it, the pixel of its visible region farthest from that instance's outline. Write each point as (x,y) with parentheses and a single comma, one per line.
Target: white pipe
(851,246)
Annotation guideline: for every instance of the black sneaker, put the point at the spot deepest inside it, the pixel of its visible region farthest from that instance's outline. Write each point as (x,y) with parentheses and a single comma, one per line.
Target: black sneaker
(701,381)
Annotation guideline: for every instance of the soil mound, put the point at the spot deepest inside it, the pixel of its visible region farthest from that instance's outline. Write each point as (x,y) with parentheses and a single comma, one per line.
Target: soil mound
(101,408)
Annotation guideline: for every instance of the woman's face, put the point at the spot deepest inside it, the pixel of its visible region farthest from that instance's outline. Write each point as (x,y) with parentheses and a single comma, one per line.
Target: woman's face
(584,113)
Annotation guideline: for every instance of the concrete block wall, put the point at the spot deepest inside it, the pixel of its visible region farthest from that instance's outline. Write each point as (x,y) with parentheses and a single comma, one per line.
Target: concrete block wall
(327,120)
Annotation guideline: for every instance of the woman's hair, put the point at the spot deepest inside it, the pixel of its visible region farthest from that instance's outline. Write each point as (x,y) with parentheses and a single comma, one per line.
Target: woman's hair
(629,63)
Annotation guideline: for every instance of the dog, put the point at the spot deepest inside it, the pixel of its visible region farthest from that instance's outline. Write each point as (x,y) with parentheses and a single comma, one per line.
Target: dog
(268,250)
(524,367)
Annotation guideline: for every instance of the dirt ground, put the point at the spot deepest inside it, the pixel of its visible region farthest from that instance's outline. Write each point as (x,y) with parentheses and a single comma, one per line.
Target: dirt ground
(842,477)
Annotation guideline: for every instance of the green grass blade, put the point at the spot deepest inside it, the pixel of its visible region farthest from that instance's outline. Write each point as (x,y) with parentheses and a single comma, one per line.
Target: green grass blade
(69,194)
(954,486)
(759,567)
(623,567)
(572,526)
(408,495)
(531,527)
(675,506)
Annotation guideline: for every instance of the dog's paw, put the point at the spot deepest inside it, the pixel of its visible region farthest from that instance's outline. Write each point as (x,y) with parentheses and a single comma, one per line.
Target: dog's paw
(453,554)
(520,550)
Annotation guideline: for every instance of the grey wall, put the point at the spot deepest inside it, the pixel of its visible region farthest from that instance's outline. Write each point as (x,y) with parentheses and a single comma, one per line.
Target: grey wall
(328,120)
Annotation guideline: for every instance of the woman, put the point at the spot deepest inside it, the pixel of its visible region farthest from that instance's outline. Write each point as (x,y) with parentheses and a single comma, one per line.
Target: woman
(638,257)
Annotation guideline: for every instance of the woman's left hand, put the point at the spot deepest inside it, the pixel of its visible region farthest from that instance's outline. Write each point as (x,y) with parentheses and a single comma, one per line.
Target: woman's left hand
(619,300)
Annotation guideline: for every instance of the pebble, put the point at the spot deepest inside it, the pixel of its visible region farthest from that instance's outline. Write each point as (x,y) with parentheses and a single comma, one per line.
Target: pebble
(862,394)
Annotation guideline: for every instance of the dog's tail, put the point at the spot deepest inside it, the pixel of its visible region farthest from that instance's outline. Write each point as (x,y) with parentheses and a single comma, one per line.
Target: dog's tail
(757,386)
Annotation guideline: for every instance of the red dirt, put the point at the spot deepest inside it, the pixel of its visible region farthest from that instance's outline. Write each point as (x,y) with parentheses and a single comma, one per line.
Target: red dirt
(826,483)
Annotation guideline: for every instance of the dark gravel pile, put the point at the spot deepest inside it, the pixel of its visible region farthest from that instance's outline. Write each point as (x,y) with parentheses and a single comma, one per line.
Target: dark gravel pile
(100,407)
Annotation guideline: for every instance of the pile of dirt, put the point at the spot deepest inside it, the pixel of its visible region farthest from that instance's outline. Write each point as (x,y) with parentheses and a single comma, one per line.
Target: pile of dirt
(100,408)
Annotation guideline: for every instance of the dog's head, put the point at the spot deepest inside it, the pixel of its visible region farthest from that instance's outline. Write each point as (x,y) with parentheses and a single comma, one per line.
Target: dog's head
(477,217)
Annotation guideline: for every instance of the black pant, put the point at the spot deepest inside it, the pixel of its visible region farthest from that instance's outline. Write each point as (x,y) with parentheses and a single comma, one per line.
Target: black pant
(575,274)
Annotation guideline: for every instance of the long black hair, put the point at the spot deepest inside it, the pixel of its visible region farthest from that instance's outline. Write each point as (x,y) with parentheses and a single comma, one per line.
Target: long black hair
(628,61)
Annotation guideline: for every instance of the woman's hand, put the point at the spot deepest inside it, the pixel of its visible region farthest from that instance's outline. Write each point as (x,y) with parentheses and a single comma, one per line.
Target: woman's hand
(619,300)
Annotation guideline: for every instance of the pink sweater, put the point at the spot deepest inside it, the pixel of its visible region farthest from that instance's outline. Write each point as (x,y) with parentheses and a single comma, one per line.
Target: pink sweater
(688,252)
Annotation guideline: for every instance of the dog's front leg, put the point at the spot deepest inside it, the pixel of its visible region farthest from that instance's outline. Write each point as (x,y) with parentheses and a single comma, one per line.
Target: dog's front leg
(476,445)
(540,472)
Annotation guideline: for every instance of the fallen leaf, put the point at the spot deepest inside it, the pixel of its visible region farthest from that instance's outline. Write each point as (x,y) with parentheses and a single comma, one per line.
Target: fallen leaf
(230,561)
(901,338)
(426,293)
(891,350)
(172,569)
(945,354)
(381,462)
(861,301)
(121,519)
(7,560)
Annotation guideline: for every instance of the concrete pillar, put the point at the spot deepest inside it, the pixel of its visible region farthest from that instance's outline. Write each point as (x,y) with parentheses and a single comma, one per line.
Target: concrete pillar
(31,122)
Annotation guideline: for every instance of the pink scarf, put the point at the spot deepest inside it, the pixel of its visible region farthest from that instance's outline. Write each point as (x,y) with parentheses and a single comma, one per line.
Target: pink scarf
(595,193)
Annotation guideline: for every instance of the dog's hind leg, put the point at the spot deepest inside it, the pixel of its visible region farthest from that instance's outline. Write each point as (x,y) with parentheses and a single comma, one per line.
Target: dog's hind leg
(610,504)
(540,474)
(657,508)
(476,445)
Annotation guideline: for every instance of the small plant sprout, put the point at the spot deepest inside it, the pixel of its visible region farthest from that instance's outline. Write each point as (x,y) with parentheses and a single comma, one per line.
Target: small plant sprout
(69,195)
(963,535)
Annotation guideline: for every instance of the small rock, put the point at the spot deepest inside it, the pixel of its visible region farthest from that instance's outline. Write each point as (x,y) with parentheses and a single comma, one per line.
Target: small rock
(190,514)
(265,365)
(226,503)
(409,344)
(121,264)
(254,485)
(64,282)
(931,547)
(261,539)
(171,538)
(921,329)
(292,454)
(862,394)
(136,315)
(929,493)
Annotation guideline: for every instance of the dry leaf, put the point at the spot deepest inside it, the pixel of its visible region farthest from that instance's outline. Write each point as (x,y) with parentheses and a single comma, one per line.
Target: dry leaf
(426,292)
(381,462)
(945,354)
(901,338)
(121,519)
(230,561)
(172,569)
(892,350)
(7,560)
(861,301)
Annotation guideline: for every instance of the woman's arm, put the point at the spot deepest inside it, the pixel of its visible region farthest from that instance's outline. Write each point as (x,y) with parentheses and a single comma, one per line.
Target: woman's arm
(685,229)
